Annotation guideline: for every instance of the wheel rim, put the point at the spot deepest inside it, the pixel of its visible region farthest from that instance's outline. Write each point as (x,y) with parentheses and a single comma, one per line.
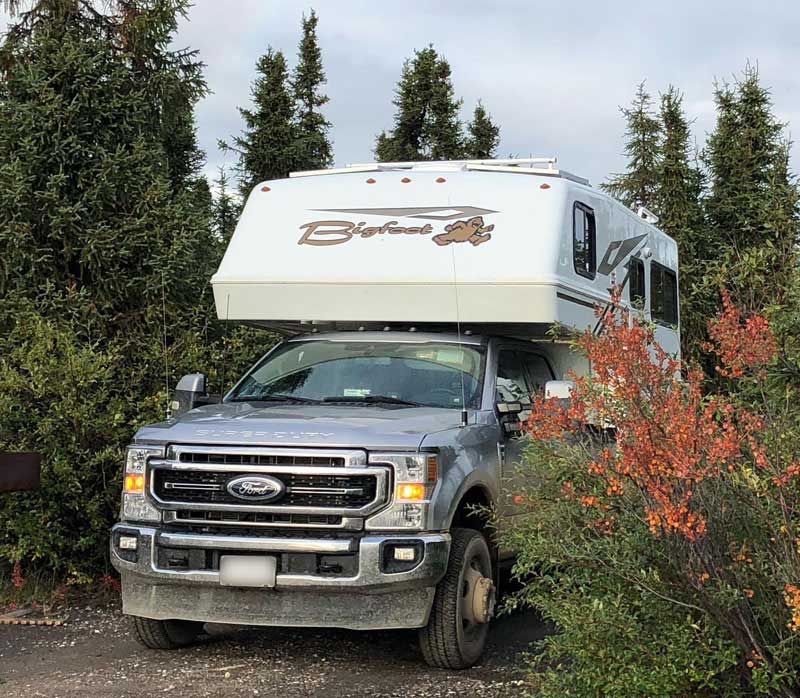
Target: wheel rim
(474,594)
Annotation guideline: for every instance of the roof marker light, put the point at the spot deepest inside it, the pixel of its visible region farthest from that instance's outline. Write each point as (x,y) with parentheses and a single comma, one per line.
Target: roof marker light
(370,181)
(440,179)
(265,189)
(544,186)
(405,180)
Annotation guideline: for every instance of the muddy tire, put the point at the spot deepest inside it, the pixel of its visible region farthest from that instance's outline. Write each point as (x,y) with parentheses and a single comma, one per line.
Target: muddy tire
(455,636)
(165,634)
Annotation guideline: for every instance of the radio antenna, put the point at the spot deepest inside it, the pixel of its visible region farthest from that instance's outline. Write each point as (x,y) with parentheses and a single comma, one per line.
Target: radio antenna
(164,332)
(464,414)
(224,348)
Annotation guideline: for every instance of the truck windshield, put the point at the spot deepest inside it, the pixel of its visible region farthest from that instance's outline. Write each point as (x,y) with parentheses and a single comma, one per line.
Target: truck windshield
(426,373)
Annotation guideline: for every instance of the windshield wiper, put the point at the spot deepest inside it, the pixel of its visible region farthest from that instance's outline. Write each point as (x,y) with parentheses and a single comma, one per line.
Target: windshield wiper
(271,398)
(372,399)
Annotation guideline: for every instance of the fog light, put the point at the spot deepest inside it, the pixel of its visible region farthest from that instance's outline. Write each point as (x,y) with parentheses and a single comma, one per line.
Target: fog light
(128,542)
(401,555)
(405,554)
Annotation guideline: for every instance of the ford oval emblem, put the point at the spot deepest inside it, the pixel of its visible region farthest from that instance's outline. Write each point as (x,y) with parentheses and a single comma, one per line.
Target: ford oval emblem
(255,488)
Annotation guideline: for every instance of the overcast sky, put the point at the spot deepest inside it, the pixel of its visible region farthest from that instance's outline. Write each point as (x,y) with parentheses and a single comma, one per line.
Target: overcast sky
(552,74)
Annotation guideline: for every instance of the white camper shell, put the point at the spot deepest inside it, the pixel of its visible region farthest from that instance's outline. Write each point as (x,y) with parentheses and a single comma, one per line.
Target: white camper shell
(505,247)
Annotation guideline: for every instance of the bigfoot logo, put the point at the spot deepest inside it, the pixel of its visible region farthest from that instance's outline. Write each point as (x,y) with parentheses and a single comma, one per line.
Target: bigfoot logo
(336,232)
(472,231)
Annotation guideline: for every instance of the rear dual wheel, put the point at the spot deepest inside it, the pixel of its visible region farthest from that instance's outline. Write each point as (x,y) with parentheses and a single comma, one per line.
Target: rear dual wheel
(463,605)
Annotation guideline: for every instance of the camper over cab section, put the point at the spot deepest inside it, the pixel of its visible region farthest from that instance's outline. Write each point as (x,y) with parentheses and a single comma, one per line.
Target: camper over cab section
(335,483)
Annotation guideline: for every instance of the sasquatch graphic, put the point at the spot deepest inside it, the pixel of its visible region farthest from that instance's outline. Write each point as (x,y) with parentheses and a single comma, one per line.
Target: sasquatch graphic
(472,230)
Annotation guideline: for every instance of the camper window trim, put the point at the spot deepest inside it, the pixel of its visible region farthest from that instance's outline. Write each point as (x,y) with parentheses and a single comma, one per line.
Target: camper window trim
(590,231)
(658,295)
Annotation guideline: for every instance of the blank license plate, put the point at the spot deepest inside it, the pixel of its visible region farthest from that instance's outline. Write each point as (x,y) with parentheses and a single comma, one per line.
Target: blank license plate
(247,571)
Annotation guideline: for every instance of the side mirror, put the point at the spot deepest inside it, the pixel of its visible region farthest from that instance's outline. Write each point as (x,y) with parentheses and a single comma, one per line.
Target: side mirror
(559,390)
(189,393)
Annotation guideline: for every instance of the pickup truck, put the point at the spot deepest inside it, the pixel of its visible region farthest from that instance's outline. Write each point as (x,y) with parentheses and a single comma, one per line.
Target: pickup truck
(348,485)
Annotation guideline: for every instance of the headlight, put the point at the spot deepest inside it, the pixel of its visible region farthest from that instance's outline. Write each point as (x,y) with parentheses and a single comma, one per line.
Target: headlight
(415,479)
(135,505)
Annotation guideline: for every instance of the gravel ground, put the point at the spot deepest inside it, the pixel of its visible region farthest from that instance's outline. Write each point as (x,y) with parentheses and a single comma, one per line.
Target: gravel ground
(94,655)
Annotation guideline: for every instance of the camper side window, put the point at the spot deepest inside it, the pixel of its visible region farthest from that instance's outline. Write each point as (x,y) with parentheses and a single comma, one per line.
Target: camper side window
(663,294)
(636,289)
(583,240)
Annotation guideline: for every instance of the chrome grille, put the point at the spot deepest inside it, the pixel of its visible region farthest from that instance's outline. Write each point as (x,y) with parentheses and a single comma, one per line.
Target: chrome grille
(301,489)
(321,487)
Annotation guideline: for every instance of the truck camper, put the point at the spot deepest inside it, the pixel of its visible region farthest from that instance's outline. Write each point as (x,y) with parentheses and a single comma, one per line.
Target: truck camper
(336,483)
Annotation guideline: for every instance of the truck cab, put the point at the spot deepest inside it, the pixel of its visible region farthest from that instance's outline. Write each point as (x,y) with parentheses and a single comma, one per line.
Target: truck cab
(354,476)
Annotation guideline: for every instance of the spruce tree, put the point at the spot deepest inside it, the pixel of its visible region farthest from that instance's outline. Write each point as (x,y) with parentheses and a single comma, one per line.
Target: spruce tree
(313,146)
(443,129)
(267,148)
(426,124)
(752,200)
(637,185)
(104,234)
(677,199)
(224,212)
(484,135)
(107,200)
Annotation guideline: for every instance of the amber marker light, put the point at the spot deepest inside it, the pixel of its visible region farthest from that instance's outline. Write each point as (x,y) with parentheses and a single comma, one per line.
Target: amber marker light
(134,484)
(439,180)
(370,181)
(411,492)
(433,468)
(544,186)
(405,180)
(265,189)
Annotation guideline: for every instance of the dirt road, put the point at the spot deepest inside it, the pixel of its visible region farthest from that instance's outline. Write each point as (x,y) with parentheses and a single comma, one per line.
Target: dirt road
(93,655)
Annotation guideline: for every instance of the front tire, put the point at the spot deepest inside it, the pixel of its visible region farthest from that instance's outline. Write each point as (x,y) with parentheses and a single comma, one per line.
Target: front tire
(455,636)
(165,634)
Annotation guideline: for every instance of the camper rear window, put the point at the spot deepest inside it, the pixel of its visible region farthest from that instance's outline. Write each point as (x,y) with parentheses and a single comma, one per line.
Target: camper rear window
(636,283)
(663,294)
(583,240)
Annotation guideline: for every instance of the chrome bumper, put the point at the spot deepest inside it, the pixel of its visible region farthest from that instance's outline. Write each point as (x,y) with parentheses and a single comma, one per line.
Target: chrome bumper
(371,599)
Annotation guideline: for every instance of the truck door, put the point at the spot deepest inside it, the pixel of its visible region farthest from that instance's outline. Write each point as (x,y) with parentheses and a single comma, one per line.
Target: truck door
(520,374)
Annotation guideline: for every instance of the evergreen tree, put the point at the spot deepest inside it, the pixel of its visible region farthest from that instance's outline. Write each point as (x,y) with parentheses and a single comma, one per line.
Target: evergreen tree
(677,198)
(107,192)
(104,231)
(752,201)
(484,135)
(426,125)
(637,185)
(444,130)
(313,146)
(267,148)
(224,209)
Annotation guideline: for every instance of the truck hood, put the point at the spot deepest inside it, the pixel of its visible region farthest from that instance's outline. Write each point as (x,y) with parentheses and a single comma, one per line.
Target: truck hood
(347,426)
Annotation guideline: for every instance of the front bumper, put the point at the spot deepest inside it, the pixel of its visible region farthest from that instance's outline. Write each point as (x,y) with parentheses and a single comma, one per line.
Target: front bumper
(369,599)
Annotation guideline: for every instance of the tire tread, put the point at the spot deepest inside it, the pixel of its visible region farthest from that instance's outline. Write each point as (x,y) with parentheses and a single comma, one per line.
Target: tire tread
(165,634)
(438,639)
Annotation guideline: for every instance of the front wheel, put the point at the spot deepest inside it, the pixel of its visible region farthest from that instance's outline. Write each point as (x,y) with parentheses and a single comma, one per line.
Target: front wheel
(455,636)
(165,634)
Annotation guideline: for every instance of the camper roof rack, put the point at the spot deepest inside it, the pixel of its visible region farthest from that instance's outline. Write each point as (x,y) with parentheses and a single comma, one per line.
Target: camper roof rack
(533,166)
